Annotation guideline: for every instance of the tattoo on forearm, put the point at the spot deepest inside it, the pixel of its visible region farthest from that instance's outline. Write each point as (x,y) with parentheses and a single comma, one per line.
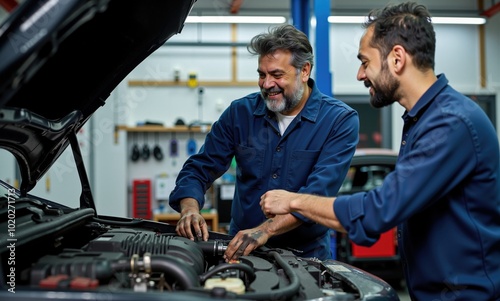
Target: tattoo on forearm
(256,235)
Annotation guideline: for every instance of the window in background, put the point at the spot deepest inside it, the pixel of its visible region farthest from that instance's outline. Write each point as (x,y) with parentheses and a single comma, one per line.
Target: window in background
(488,104)
(374,124)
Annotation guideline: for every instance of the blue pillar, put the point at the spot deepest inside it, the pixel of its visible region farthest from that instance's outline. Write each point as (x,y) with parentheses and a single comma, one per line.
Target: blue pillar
(323,75)
(301,15)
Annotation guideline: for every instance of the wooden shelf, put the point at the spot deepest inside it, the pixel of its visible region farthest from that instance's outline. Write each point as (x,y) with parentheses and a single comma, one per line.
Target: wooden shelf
(159,128)
(166,83)
(212,219)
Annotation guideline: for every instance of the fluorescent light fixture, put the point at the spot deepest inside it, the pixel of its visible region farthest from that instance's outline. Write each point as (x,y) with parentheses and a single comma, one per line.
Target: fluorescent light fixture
(236,19)
(435,20)
(347,19)
(459,20)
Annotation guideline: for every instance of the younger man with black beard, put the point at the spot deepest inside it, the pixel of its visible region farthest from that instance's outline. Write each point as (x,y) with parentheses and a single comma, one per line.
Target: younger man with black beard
(287,136)
(444,194)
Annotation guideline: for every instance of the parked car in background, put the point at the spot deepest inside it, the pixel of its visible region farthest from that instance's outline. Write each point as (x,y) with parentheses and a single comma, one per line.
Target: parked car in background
(368,169)
(60,62)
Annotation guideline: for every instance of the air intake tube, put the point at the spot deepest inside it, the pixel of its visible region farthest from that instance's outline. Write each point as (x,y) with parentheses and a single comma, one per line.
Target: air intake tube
(183,273)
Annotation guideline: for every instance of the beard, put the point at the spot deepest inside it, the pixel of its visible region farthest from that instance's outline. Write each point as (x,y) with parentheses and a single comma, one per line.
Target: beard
(289,101)
(386,92)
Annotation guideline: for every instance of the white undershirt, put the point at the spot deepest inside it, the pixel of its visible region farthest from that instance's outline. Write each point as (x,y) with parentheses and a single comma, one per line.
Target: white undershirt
(284,121)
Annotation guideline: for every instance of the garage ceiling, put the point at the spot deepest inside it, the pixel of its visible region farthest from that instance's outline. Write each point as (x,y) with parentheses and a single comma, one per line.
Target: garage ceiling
(338,7)
(283,7)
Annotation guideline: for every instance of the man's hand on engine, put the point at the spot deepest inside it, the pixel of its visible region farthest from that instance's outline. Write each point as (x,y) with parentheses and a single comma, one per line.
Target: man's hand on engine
(191,220)
(244,242)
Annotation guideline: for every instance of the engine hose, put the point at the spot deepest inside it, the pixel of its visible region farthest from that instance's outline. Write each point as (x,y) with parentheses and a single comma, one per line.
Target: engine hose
(228,266)
(279,294)
(178,270)
(134,222)
(212,248)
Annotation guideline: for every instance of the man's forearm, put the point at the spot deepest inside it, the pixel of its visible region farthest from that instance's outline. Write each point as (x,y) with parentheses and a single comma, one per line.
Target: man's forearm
(280,224)
(318,209)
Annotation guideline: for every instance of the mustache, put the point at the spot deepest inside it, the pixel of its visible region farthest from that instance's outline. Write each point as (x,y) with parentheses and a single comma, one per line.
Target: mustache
(273,90)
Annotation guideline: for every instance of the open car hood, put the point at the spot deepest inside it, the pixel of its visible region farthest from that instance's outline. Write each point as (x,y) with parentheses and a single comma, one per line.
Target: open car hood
(61,59)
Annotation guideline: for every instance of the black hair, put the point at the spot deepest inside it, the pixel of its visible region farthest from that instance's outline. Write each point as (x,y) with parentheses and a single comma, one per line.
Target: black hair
(407,24)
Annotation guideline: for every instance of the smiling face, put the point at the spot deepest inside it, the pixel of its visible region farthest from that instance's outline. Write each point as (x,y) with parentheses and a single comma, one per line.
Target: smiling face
(375,74)
(282,87)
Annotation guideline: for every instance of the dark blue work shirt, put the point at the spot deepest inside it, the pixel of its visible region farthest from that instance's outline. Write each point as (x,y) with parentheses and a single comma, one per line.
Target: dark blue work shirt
(445,195)
(312,156)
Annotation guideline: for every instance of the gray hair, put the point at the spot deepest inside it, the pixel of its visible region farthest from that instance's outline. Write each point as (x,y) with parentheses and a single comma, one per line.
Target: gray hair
(284,37)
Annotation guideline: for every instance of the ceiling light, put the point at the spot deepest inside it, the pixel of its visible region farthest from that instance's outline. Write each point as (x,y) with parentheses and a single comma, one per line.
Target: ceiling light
(459,20)
(236,19)
(435,20)
(347,19)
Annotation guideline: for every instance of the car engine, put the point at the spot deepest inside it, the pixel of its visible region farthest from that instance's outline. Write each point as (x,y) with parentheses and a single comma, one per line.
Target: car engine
(144,261)
(74,251)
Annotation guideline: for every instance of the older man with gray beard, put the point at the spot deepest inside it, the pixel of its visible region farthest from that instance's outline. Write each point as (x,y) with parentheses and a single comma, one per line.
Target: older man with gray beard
(287,136)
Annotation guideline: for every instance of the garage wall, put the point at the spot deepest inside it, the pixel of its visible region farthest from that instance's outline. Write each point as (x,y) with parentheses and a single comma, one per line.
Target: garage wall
(457,56)
(167,104)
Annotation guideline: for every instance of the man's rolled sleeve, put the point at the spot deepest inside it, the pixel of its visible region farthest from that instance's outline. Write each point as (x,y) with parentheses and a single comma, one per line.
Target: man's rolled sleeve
(186,191)
(350,212)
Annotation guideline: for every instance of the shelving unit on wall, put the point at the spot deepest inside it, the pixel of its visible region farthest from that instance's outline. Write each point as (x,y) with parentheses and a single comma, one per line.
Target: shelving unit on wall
(162,129)
(162,173)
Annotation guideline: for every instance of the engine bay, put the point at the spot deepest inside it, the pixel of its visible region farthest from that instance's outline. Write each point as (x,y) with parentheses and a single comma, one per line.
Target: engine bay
(74,251)
(142,261)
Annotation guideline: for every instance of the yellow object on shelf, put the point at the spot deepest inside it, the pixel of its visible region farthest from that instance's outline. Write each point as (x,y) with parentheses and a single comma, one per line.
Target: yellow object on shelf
(193,80)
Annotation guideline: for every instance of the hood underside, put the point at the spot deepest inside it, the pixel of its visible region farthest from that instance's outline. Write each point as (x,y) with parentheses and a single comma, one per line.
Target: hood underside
(61,59)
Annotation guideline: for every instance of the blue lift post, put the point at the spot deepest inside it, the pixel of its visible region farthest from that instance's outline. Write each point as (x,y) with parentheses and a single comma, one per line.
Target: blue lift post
(301,20)
(301,15)
(323,74)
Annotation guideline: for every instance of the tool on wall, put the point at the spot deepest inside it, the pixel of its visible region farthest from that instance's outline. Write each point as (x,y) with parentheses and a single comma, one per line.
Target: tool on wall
(157,152)
(145,148)
(200,104)
(191,145)
(174,148)
(199,121)
(136,153)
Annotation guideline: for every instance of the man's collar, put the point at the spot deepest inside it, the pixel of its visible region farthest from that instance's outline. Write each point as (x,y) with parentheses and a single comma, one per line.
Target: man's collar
(429,95)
